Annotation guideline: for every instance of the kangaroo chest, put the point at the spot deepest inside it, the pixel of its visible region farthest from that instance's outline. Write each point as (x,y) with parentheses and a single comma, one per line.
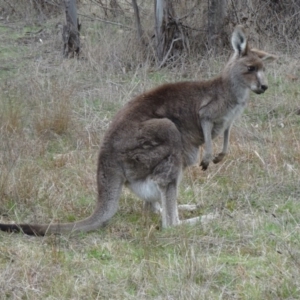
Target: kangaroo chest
(225,120)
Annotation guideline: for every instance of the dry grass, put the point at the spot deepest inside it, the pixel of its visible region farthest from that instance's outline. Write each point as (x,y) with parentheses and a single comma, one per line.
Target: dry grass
(53,114)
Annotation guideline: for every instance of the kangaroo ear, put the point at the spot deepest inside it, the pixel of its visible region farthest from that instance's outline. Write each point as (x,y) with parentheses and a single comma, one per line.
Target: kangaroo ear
(265,56)
(239,41)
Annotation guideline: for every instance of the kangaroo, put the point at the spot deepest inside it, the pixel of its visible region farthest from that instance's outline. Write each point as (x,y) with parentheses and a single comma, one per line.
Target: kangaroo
(155,136)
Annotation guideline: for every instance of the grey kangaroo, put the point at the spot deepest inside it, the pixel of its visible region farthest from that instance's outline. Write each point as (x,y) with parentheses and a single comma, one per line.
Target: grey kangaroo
(155,136)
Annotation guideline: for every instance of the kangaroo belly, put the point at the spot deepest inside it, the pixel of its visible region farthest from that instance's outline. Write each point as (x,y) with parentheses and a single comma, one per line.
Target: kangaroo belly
(145,189)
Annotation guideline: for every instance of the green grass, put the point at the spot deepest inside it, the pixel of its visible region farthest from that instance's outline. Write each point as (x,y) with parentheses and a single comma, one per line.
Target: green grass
(14,50)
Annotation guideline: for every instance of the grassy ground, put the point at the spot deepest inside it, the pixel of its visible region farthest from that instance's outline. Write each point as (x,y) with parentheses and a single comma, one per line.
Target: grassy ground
(53,113)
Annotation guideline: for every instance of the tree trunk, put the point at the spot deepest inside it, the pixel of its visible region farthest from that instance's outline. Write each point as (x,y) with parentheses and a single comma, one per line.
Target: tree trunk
(160,28)
(216,19)
(171,38)
(71,29)
(137,21)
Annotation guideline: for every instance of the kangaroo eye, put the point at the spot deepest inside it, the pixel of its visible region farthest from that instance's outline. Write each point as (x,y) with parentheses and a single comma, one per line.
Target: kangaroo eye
(251,68)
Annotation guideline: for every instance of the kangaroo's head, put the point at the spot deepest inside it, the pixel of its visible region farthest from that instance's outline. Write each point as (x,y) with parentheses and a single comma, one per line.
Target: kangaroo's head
(246,68)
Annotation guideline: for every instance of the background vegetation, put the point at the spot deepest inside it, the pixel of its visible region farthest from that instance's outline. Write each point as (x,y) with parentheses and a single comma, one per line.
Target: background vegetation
(53,113)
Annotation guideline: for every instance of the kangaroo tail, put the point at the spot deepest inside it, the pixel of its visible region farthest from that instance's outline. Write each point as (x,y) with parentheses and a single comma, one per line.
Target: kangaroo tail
(100,215)
(26,228)
(106,207)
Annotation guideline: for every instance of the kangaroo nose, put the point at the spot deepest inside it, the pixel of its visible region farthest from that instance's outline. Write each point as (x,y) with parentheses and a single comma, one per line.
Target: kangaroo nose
(264,87)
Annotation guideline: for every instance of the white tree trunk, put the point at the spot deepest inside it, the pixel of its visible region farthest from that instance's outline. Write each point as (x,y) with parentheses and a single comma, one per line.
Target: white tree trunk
(159,28)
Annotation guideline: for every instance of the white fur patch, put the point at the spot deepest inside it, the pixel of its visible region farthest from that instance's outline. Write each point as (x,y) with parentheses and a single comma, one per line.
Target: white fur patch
(261,77)
(146,190)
